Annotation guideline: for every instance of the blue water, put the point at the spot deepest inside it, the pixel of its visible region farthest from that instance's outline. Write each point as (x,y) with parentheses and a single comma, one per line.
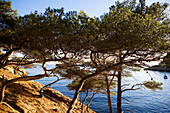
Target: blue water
(145,100)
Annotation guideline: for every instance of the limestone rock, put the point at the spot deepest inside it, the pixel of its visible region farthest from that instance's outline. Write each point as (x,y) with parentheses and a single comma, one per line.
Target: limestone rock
(16,70)
(5,108)
(23,97)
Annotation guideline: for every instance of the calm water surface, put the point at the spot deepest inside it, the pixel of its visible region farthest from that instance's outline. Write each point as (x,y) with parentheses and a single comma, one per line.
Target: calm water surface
(143,100)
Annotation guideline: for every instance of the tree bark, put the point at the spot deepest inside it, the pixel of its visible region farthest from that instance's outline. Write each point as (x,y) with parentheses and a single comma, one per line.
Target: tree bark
(119,93)
(108,94)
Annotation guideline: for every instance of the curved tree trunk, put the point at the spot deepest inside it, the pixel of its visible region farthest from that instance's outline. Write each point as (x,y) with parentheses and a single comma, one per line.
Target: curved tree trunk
(18,79)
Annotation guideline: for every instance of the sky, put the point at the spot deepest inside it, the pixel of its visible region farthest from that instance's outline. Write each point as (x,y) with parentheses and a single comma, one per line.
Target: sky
(91,7)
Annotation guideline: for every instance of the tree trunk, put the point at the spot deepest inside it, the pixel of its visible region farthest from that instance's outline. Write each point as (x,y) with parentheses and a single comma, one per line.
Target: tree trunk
(2,92)
(5,57)
(119,93)
(84,101)
(18,79)
(76,95)
(81,98)
(77,92)
(108,94)
(91,100)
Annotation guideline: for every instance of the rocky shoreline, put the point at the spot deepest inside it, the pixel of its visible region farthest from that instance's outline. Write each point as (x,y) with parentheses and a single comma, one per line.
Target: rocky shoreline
(159,68)
(23,97)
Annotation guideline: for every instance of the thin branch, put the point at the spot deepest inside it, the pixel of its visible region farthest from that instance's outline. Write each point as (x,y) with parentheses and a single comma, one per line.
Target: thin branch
(129,100)
(112,78)
(48,85)
(9,53)
(132,88)
(125,85)
(95,64)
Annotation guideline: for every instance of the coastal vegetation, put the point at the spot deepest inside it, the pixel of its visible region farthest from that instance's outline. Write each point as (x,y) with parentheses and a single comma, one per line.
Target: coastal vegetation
(93,52)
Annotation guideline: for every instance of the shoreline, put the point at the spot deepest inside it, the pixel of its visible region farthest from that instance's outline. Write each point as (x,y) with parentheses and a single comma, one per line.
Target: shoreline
(159,68)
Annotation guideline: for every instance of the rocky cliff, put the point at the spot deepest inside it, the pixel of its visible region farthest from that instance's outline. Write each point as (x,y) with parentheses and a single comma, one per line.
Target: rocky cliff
(23,97)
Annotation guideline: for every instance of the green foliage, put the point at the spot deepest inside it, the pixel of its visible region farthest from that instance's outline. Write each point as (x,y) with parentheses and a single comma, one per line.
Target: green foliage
(130,34)
(127,70)
(7,20)
(94,84)
(6,14)
(89,84)
(134,25)
(53,32)
(153,85)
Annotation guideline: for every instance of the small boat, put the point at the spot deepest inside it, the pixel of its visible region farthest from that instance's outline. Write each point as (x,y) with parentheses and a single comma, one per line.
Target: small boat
(165,77)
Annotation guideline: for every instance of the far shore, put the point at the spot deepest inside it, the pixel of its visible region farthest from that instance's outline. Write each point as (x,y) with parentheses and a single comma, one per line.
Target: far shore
(159,68)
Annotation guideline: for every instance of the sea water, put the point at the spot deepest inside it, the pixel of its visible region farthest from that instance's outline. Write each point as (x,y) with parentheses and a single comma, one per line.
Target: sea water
(139,101)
